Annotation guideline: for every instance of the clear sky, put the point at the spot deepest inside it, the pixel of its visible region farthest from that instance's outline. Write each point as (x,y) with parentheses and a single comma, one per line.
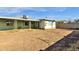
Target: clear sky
(41,12)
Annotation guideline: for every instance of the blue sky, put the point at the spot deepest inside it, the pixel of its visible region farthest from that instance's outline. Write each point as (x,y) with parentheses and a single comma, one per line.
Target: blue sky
(41,12)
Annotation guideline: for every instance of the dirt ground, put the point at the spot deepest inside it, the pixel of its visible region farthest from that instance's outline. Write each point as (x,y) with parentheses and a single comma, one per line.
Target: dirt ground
(30,40)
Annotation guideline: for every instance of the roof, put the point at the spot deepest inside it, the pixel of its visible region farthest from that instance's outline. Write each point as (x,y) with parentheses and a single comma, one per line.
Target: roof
(28,19)
(46,20)
(15,18)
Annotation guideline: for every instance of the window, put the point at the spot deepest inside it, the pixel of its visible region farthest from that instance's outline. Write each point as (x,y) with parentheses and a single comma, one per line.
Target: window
(9,23)
(26,23)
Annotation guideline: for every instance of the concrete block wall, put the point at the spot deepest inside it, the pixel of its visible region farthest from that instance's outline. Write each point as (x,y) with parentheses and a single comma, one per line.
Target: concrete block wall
(67,25)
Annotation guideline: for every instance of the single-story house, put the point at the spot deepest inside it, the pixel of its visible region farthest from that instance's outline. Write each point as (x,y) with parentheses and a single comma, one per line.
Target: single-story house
(47,24)
(21,23)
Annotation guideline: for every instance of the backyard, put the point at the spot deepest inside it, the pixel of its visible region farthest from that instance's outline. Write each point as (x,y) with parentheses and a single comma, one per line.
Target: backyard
(30,39)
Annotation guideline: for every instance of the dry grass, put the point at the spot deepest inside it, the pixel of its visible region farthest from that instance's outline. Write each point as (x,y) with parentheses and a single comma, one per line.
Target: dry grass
(34,39)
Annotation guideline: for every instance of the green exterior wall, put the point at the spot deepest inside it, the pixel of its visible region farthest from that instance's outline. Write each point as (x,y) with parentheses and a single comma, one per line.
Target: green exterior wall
(35,25)
(3,25)
(20,24)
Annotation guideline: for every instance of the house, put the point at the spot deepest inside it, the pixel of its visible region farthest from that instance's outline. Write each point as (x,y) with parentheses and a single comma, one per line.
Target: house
(47,24)
(21,23)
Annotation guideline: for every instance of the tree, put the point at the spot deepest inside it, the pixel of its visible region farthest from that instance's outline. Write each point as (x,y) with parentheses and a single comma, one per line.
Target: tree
(69,21)
(76,20)
(24,16)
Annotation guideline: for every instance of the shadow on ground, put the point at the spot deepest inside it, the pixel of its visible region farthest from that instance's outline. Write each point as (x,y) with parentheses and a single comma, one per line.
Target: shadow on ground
(68,43)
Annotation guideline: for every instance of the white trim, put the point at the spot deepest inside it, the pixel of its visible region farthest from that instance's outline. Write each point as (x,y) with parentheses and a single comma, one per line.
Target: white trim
(18,18)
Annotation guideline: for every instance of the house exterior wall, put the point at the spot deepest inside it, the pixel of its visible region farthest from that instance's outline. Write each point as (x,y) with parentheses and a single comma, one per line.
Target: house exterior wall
(47,25)
(50,25)
(21,24)
(18,25)
(4,26)
(68,25)
(54,25)
(42,24)
(34,24)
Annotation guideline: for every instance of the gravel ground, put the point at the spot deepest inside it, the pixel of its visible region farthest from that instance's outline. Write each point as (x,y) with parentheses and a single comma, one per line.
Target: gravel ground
(68,43)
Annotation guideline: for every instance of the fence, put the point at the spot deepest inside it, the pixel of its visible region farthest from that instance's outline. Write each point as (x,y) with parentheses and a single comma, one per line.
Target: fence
(68,25)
